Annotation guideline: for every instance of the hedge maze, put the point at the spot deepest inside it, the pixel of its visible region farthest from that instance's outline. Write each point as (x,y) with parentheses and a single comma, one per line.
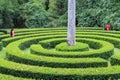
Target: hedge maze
(42,53)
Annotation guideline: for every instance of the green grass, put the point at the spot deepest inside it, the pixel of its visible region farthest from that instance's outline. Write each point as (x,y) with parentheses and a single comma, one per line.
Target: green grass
(116,50)
(27,50)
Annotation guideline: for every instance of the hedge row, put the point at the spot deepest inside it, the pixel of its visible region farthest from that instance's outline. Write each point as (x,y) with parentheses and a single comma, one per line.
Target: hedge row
(54,29)
(103,49)
(4,36)
(36,72)
(9,77)
(51,43)
(7,40)
(115,59)
(115,41)
(78,47)
(32,31)
(99,34)
(21,70)
(107,39)
(28,33)
(25,32)
(17,55)
(44,35)
(4,31)
(1,45)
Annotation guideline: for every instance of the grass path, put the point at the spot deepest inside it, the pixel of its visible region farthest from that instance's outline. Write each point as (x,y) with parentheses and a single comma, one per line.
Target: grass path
(116,50)
(27,50)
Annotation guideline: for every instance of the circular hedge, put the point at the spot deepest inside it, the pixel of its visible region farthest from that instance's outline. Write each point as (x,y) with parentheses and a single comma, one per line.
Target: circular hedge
(39,56)
(78,47)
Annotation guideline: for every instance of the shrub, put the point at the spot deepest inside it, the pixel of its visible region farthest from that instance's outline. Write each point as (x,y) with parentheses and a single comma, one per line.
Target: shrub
(115,59)
(47,61)
(9,77)
(4,31)
(77,47)
(1,45)
(37,72)
(105,50)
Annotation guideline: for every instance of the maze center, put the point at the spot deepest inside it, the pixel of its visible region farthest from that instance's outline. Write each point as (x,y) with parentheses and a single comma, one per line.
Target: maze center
(45,54)
(78,47)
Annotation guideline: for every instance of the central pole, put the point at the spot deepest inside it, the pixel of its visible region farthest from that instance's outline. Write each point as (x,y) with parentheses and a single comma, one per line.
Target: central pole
(71,34)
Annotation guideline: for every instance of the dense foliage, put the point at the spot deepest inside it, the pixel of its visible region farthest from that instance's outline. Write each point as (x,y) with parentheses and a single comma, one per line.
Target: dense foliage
(53,13)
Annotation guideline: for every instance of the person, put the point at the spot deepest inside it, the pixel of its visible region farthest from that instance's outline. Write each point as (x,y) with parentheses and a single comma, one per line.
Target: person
(12,32)
(107,27)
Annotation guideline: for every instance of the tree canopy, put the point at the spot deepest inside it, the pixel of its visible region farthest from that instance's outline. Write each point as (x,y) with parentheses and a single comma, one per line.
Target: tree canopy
(53,13)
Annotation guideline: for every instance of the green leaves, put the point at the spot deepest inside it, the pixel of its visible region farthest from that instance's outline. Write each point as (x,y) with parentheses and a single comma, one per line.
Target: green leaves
(98,13)
(1,45)
(34,14)
(53,13)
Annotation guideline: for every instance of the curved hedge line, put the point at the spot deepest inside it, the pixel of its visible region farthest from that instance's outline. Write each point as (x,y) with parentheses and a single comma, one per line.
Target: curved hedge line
(58,73)
(9,77)
(19,56)
(112,40)
(56,65)
(25,35)
(28,34)
(115,59)
(56,29)
(9,40)
(1,45)
(4,31)
(104,50)
(78,47)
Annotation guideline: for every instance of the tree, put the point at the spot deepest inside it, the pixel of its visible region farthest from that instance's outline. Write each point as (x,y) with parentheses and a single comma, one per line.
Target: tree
(34,13)
(71,36)
(6,13)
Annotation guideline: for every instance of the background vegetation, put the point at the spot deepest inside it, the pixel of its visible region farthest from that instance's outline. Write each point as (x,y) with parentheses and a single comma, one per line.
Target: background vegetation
(53,13)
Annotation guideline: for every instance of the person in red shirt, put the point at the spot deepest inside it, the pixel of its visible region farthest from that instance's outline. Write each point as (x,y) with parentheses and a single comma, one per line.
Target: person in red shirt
(12,32)
(107,27)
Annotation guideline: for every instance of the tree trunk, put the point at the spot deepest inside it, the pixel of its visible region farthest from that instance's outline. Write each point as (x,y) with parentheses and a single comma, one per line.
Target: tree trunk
(71,34)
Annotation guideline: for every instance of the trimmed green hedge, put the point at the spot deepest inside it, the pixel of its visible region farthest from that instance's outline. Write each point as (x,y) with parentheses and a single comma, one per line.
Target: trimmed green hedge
(55,29)
(9,77)
(115,41)
(103,36)
(37,72)
(78,47)
(18,56)
(43,36)
(43,32)
(4,36)
(1,45)
(104,49)
(72,70)
(115,59)
(4,31)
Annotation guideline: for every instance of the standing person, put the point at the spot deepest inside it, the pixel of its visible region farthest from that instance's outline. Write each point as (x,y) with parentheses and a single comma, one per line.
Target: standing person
(12,32)
(108,27)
